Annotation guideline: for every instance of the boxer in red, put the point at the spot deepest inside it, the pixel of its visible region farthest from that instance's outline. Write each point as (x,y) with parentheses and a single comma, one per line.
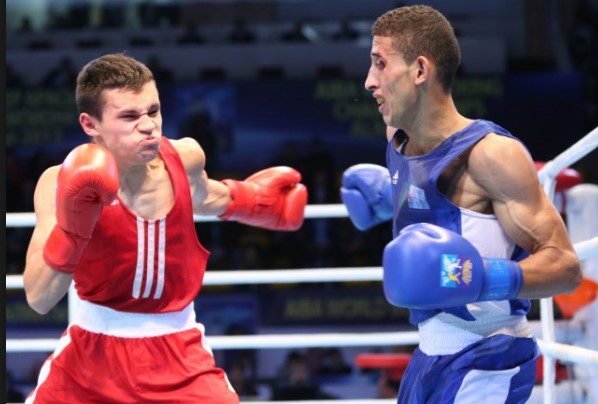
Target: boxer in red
(117,219)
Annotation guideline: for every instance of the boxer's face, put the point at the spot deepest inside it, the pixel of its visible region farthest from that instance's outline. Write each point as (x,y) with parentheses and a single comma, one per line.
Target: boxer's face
(131,124)
(390,79)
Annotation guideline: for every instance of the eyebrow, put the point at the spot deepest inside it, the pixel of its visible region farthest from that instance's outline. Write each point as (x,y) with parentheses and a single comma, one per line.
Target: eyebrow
(377,56)
(390,52)
(136,111)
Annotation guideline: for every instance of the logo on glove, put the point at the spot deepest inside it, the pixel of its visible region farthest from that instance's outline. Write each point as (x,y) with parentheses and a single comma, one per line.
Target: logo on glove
(453,273)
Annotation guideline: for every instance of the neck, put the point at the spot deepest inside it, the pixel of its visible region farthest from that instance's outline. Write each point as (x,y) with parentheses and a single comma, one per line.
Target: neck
(132,177)
(435,121)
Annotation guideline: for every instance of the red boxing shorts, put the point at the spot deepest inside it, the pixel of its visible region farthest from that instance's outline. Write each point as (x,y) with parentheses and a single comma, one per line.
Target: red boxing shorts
(111,356)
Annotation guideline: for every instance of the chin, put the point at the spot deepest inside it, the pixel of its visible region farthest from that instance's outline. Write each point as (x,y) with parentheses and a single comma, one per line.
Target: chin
(388,119)
(147,157)
(389,122)
(392,121)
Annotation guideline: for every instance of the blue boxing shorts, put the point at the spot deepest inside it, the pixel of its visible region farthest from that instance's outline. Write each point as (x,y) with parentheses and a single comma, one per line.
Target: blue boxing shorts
(498,369)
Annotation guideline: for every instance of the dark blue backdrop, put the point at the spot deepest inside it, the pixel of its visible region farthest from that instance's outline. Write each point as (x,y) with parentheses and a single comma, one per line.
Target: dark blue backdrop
(244,125)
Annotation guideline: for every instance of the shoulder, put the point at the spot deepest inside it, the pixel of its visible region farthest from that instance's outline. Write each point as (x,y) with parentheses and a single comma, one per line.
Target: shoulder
(45,191)
(191,154)
(501,164)
(495,148)
(47,181)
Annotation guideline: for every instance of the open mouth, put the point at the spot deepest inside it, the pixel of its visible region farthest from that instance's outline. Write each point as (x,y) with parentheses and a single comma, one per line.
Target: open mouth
(380,101)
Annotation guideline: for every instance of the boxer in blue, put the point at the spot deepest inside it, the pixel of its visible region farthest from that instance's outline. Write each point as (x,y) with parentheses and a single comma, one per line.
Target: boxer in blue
(474,234)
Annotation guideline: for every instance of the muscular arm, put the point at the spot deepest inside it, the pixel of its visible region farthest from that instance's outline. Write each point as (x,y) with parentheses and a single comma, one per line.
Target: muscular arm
(505,171)
(44,287)
(210,197)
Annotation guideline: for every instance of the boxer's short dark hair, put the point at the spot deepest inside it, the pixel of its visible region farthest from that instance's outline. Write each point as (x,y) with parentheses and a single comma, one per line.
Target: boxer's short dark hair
(422,31)
(111,71)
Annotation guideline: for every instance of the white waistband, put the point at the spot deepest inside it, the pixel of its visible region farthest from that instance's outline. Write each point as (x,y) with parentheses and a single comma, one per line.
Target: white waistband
(104,320)
(445,334)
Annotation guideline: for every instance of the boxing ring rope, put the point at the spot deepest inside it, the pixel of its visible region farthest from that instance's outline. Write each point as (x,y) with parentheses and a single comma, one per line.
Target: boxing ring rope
(321,211)
(547,176)
(549,347)
(577,151)
(584,249)
(565,353)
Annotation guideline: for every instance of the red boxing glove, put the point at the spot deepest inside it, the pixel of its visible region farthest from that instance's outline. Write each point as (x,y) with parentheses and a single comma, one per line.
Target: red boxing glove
(87,180)
(272,198)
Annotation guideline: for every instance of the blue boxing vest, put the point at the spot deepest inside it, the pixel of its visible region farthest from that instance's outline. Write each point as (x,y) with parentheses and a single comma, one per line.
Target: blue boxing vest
(416,199)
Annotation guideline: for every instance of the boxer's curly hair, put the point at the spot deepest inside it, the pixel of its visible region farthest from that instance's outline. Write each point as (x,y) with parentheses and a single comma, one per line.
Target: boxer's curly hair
(422,31)
(116,70)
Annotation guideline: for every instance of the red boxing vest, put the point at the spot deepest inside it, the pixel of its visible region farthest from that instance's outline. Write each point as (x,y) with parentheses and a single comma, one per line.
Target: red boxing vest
(148,266)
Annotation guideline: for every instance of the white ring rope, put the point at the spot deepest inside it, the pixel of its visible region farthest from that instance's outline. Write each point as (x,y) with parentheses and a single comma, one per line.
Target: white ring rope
(573,154)
(547,176)
(269,276)
(565,353)
(320,211)
(585,249)
(567,331)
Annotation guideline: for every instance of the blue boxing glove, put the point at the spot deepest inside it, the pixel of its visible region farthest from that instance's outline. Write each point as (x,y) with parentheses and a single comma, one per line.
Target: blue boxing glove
(366,192)
(429,267)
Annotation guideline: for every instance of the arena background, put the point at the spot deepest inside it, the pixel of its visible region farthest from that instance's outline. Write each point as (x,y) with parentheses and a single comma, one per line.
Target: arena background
(263,82)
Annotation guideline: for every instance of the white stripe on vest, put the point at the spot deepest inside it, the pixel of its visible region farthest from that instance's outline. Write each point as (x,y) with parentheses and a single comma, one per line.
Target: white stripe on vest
(145,259)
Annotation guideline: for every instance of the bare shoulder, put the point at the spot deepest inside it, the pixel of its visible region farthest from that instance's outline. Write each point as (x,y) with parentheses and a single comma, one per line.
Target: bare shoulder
(191,153)
(47,181)
(502,166)
(45,192)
